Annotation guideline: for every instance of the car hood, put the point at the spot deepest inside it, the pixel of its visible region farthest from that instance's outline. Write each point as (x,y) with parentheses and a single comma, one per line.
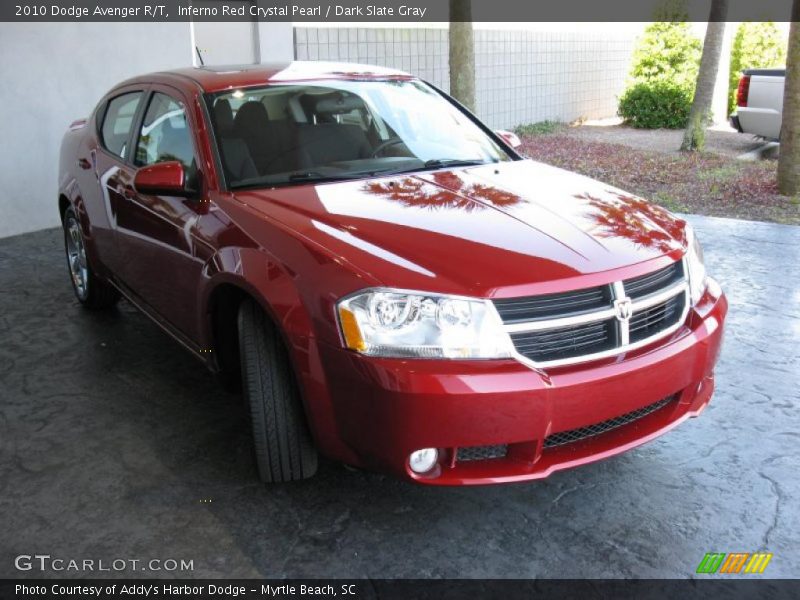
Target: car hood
(494,230)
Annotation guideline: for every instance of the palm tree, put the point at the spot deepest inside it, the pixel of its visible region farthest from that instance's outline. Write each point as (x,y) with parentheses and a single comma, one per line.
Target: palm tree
(694,137)
(789,161)
(462,53)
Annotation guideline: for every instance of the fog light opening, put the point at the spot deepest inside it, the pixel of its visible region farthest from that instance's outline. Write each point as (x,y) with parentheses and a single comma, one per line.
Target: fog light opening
(422,461)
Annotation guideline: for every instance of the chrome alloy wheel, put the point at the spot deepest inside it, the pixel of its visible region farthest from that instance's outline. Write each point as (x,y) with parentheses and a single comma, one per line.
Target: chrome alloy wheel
(76,258)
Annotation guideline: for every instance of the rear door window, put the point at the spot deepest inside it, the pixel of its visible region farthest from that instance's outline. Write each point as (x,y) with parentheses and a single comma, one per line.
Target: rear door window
(118,121)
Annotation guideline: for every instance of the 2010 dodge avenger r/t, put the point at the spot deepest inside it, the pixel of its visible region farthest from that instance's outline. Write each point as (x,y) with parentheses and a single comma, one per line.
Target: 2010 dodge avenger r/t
(390,283)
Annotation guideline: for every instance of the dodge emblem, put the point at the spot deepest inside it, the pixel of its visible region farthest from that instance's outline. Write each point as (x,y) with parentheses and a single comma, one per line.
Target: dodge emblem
(624,308)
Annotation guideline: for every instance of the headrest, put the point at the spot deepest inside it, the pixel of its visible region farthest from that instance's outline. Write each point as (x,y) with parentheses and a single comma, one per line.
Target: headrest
(223,116)
(251,116)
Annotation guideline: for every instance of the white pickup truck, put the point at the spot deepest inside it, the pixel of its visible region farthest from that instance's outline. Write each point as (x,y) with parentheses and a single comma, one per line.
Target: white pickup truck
(759,100)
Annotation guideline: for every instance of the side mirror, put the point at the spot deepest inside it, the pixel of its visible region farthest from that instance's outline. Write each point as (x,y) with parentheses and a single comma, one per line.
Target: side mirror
(511,138)
(162,179)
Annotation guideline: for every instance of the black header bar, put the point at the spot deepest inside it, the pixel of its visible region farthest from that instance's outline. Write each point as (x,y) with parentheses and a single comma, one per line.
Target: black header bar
(383,11)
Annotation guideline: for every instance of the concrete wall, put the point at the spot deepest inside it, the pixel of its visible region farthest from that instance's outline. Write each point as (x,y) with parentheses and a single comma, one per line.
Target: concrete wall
(522,76)
(242,42)
(275,42)
(233,43)
(52,74)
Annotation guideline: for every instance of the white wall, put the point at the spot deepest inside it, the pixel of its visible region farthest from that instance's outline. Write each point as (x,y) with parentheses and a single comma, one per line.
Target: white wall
(232,43)
(276,42)
(52,74)
(244,42)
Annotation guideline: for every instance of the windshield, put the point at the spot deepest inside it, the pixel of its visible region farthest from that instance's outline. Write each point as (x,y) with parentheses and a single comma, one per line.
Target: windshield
(328,130)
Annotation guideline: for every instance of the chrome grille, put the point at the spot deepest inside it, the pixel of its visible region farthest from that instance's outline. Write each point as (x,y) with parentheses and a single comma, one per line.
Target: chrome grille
(574,435)
(481,452)
(518,310)
(638,287)
(591,323)
(565,342)
(649,321)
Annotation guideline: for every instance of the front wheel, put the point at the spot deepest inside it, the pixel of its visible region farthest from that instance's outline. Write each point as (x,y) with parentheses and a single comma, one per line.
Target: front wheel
(91,291)
(283,445)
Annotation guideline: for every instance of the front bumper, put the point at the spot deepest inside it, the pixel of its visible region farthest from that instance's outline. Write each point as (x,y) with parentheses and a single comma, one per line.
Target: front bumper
(386,408)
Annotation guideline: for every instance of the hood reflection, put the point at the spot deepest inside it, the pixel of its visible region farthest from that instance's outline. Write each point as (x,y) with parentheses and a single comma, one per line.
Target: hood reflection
(640,222)
(454,193)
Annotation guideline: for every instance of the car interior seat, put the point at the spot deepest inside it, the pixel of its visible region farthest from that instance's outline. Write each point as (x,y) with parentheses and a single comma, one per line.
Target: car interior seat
(272,144)
(329,141)
(236,159)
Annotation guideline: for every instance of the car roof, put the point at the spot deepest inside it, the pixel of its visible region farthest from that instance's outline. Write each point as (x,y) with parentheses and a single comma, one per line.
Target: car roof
(218,78)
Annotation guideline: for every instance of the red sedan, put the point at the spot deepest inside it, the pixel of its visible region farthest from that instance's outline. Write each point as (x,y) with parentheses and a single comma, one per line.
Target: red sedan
(388,281)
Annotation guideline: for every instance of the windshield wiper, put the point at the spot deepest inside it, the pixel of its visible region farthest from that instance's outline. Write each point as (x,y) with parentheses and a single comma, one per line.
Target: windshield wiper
(432,164)
(454,162)
(296,177)
(317,176)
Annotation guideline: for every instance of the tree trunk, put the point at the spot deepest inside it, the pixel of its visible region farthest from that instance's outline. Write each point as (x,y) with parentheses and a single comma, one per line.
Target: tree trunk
(789,160)
(700,115)
(462,53)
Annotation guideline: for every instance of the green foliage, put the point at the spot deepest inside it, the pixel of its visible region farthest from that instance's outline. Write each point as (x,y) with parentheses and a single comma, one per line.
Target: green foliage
(538,128)
(663,76)
(656,105)
(756,45)
(667,52)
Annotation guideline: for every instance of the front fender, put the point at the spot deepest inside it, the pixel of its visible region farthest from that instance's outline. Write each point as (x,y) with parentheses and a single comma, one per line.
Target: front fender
(261,277)
(273,286)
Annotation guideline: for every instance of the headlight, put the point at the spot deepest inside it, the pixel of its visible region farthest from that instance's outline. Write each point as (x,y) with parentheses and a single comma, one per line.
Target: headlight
(695,266)
(396,323)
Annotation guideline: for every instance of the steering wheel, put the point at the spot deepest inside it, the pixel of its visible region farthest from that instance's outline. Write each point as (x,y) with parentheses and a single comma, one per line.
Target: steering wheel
(392,141)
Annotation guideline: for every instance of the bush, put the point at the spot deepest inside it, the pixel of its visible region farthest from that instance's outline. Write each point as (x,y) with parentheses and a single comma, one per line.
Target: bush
(656,105)
(667,52)
(663,77)
(538,128)
(755,45)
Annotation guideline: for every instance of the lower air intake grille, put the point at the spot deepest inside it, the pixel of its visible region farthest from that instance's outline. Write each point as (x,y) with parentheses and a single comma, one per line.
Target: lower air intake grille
(481,452)
(574,435)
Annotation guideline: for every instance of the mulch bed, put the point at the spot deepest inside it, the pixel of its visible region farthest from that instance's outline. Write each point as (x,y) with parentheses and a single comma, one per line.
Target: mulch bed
(701,183)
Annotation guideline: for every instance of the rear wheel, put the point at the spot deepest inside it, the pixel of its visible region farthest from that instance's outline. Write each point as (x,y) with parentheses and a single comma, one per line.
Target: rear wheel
(91,291)
(283,445)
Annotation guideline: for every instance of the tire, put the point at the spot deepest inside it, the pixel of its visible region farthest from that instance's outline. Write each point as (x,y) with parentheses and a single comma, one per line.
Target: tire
(91,291)
(283,445)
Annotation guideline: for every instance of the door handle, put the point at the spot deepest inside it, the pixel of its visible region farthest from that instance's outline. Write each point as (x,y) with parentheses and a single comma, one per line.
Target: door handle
(84,163)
